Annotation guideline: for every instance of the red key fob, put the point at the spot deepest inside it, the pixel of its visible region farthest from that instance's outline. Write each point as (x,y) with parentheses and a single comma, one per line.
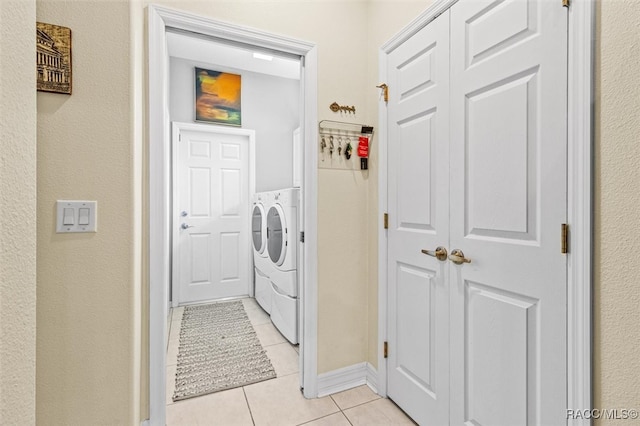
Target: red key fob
(363,146)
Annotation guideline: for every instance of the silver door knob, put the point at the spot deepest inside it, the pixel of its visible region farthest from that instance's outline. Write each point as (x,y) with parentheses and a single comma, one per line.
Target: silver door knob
(185,226)
(184,214)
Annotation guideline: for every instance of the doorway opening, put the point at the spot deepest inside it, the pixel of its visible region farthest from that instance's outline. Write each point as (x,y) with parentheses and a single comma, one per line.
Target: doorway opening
(163,24)
(246,106)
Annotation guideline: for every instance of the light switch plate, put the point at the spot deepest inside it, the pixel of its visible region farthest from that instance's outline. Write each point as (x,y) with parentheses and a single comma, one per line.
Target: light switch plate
(76,205)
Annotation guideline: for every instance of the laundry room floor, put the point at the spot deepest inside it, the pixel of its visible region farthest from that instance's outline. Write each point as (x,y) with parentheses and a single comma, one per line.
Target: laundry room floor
(277,401)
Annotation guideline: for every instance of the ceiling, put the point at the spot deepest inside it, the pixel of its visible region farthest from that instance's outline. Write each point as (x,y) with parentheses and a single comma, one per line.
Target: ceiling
(200,49)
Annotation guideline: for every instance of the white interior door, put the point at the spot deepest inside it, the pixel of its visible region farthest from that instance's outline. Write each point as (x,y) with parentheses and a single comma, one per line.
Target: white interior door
(504,170)
(212,213)
(508,203)
(418,179)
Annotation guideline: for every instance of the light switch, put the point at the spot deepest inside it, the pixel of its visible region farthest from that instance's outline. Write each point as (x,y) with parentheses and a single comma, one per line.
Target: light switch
(76,216)
(83,216)
(67,218)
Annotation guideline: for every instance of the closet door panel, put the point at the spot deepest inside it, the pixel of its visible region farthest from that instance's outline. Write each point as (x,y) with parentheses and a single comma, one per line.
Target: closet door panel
(418,164)
(508,202)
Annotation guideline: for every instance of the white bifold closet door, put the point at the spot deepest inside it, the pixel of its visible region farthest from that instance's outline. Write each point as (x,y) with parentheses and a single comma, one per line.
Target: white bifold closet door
(418,198)
(483,342)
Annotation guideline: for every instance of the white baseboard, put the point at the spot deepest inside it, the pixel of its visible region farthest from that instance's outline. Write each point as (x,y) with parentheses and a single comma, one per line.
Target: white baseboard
(372,378)
(347,378)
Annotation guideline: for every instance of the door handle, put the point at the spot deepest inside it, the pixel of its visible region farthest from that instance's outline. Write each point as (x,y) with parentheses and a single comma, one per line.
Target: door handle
(185,226)
(440,253)
(457,257)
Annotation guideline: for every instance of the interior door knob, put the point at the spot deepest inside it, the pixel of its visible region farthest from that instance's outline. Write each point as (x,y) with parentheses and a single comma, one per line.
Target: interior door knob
(440,253)
(185,226)
(457,257)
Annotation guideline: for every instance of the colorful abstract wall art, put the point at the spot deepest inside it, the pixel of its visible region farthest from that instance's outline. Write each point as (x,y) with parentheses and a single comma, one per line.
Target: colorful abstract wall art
(218,97)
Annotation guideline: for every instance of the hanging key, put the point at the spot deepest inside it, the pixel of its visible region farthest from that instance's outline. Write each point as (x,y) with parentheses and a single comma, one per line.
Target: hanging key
(348,149)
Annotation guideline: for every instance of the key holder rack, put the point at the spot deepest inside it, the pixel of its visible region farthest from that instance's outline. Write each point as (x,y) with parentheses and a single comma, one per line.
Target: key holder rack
(340,143)
(335,107)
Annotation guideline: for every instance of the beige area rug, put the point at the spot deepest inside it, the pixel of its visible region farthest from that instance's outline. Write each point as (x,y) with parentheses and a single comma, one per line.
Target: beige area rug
(218,350)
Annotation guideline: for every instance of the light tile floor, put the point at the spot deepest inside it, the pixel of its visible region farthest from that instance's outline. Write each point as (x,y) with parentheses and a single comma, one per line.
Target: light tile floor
(277,401)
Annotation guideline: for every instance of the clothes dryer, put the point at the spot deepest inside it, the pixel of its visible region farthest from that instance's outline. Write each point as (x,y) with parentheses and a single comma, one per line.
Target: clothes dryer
(282,248)
(282,229)
(261,203)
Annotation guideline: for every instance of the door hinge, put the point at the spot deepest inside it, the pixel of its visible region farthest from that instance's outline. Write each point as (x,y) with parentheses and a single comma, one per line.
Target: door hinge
(566,3)
(302,236)
(385,221)
(385,91)
(385,349)
(180,137)
(564,242)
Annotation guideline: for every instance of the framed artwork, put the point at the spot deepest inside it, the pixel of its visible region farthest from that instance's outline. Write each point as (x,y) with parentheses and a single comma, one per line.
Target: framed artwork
(218,97)
(53,58)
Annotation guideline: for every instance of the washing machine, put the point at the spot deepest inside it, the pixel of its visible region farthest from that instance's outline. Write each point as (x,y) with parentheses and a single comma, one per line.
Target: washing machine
(263,266)
(282,249)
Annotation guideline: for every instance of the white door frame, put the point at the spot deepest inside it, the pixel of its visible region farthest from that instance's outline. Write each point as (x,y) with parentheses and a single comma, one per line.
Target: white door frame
(579,213)
(178,127)
(159,18)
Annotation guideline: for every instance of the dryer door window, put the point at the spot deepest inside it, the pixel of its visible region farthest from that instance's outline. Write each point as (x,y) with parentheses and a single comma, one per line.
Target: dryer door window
(257,228)
(276,235)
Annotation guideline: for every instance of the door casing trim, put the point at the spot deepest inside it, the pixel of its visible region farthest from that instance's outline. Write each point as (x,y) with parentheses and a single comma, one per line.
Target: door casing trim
(579,190)
(159,18)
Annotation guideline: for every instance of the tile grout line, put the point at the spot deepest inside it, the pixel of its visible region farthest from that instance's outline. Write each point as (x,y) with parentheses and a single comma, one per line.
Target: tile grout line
(362,403)
(357,405)
(248,405)
(341,410)
(322,417)
(373,400)
(328,415)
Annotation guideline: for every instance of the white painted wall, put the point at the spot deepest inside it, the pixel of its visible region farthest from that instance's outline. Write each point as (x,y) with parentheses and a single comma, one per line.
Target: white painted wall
(270,106)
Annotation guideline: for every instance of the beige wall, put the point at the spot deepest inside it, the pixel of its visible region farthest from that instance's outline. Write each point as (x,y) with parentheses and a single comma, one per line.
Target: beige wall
(617,202)
(18,218)
(86,363)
